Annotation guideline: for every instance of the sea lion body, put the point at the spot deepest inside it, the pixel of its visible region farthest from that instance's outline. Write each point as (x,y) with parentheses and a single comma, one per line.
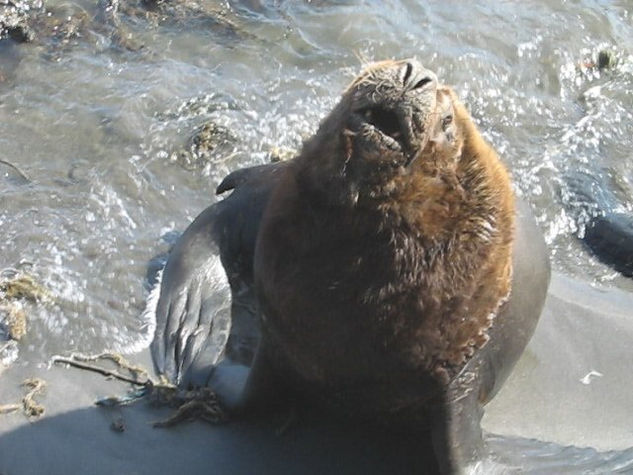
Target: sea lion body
(391,278)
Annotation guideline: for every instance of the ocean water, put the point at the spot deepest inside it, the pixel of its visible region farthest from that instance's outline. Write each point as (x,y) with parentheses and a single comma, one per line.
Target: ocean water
(98,171)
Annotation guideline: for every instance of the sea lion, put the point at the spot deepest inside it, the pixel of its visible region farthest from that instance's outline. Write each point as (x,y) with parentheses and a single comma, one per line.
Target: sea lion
(393,276)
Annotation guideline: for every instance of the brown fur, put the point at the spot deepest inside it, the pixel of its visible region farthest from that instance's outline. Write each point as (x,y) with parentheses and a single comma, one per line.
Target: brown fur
(462,198)
(379,278)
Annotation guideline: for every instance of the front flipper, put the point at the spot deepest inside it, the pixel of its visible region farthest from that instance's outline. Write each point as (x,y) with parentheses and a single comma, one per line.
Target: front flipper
(193,317)
(195,306)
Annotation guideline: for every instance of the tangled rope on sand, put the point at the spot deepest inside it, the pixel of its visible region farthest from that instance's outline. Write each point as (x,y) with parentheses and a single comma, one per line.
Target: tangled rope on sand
(28,405)
(195,404)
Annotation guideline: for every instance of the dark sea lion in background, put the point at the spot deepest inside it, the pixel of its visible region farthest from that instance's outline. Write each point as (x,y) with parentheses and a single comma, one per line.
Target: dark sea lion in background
(393,276)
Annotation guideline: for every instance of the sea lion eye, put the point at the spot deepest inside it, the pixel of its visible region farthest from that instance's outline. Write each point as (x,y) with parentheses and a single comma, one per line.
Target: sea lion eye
(446,121)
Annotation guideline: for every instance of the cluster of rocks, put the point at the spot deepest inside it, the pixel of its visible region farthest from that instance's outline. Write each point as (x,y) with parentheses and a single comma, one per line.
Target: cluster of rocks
(26,21)
(16,18)
(209,142)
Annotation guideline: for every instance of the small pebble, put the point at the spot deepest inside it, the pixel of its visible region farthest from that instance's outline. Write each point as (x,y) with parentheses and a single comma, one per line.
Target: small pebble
(118,425)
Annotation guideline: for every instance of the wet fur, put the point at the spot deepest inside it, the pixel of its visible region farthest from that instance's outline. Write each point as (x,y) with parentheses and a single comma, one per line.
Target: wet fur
(377,285)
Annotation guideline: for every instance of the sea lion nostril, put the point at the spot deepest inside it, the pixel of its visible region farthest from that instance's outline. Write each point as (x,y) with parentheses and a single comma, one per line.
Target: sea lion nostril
(415,76)
(407,73)
(422,82)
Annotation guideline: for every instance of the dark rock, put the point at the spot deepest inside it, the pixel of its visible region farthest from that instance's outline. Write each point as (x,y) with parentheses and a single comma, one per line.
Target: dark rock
(610,238)
(16,17)
(21,34)
(215,16)
(606,59)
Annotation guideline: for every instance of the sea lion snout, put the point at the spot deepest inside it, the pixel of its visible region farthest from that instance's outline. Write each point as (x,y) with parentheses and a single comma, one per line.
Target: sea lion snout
(415,76)
(392,109)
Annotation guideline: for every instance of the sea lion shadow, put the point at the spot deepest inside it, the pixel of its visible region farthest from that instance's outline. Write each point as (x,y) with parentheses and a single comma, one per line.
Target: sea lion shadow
(80,441)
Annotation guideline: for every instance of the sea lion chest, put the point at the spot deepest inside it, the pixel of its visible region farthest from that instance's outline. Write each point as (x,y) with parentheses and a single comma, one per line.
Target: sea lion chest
(339,295)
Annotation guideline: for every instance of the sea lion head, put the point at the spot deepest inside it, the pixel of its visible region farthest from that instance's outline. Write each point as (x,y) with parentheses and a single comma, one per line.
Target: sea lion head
(390,115)
(391,107)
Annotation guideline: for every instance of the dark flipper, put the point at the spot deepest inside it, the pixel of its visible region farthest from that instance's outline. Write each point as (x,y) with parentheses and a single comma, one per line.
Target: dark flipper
(456,435)
(195,307)
(192,313)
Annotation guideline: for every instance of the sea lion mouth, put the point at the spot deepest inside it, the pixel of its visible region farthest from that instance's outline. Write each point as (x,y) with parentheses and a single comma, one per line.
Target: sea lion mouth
(389,131)
(385,122)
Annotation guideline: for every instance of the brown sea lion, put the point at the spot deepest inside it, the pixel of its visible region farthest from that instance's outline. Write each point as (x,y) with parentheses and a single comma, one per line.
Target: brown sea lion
(391,279)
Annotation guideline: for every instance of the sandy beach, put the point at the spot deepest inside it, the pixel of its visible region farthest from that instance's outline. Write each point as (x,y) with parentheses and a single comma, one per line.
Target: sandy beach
(571,388)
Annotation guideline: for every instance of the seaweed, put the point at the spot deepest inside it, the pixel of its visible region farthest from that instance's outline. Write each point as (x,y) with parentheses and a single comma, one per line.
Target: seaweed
(28,404)
(195,404)
(23,286)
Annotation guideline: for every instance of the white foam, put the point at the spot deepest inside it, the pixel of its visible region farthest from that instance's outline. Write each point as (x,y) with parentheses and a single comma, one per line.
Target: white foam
(8,353)
(148,319)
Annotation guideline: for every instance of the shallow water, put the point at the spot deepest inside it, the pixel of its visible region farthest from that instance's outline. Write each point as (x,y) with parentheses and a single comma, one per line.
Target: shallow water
(93,127)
